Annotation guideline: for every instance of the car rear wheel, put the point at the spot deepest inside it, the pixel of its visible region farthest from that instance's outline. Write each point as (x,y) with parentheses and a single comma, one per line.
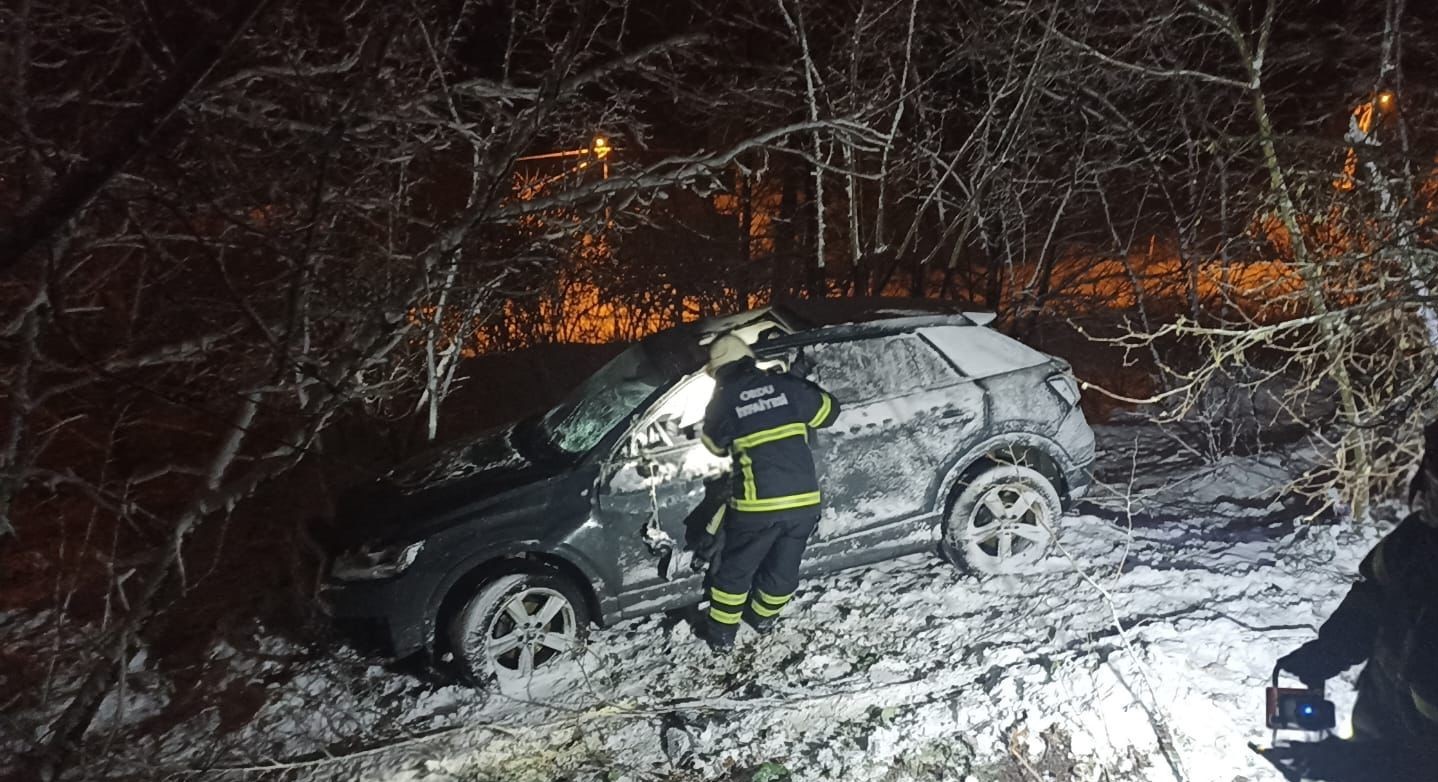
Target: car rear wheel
(1003,521)
(519,625)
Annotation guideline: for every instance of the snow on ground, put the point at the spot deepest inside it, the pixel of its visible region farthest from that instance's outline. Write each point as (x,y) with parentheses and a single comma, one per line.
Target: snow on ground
(1139,652)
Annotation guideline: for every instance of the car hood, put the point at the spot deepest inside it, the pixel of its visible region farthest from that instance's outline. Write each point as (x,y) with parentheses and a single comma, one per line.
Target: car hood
(429,491)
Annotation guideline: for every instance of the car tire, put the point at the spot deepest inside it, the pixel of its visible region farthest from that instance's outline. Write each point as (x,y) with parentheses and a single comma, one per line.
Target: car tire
(1003,521)
(518,625)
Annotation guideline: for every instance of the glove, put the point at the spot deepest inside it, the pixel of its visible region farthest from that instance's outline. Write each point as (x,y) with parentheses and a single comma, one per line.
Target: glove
(1311,663)
(802,365)
(705,549)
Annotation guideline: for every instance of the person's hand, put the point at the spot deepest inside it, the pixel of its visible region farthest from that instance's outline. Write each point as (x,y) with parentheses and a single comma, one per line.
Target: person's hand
(802,365)
(705,547)
(708,541)
(1311,663)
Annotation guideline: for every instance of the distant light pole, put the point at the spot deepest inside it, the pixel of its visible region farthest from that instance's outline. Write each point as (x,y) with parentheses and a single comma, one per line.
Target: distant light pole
(599,149)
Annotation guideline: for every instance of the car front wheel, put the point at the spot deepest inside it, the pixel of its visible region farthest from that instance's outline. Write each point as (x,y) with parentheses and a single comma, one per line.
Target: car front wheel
(518,625)
(1003,521)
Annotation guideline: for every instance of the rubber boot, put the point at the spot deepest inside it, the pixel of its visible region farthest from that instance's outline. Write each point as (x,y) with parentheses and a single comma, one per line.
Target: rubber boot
(763,625)
(720,638)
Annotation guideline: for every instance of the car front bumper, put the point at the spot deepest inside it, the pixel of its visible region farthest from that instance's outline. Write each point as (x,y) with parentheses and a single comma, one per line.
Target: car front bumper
(386,616)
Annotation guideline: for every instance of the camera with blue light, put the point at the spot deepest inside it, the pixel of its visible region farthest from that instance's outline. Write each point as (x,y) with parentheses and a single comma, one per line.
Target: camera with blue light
(1300,709)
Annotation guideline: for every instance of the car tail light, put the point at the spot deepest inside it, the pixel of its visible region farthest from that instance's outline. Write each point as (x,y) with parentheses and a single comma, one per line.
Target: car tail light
(1066,388)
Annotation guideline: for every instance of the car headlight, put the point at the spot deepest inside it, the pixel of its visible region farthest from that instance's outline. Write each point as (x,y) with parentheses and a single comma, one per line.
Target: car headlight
(368,564)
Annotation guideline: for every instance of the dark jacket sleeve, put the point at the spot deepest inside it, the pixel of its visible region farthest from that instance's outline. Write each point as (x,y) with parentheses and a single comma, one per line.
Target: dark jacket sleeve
(816,407)
(1420,665)
(1348,635)
(718,431)
(1420,648)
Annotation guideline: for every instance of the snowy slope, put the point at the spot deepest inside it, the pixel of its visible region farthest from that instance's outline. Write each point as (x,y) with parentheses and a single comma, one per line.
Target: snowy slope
(1140,652)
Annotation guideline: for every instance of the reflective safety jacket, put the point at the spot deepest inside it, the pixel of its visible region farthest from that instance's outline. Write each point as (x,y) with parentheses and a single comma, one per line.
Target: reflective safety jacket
(1390,619)
(762,419)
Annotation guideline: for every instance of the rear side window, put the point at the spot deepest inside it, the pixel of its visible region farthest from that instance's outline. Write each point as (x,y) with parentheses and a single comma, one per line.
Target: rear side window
(981,352)
(879,368)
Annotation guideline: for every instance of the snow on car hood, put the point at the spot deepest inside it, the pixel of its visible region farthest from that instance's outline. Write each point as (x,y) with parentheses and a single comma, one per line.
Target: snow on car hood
(489,453)
(427,489)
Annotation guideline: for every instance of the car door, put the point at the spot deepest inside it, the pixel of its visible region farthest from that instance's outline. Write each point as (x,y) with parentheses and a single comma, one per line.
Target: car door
(906,411)
(652,495)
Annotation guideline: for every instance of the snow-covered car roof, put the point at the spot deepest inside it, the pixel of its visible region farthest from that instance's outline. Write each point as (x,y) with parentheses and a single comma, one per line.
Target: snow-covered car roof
(681,347)
(801,315)
(804,314)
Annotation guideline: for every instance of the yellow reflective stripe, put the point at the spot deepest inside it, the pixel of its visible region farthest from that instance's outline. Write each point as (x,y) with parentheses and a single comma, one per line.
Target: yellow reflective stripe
(712,446)
(770,435)
(725,617)
(777,503)
(727,598)
(824,408)
(767,605)
(1424,706)
(746,463)
(771,600)
(762,610)
(713,526)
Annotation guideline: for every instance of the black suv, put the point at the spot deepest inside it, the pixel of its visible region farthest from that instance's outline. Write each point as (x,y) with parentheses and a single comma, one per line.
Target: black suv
(503,548)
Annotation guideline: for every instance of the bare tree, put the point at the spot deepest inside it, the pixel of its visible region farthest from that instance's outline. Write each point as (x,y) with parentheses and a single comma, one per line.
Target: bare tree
(226,242)
(1330,312)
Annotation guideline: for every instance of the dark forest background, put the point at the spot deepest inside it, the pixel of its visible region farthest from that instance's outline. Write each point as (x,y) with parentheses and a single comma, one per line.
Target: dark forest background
(248,249)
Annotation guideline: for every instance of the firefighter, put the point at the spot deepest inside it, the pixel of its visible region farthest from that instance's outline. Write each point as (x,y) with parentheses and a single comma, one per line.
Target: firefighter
(762,420)
(1390,620)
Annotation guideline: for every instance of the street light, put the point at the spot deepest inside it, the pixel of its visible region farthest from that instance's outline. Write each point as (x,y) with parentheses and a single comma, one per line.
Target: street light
(599,147)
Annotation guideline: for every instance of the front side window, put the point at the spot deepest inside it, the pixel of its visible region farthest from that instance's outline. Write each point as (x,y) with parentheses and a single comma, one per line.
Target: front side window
(677,419)
(664,447)
(684,406)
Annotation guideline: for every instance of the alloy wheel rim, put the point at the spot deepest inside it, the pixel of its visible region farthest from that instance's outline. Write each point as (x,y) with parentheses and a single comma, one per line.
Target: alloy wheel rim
(1008,526)
(533,627)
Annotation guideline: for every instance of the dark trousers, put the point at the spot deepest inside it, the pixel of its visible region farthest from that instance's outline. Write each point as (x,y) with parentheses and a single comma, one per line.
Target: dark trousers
(1356,760)
(759,565)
